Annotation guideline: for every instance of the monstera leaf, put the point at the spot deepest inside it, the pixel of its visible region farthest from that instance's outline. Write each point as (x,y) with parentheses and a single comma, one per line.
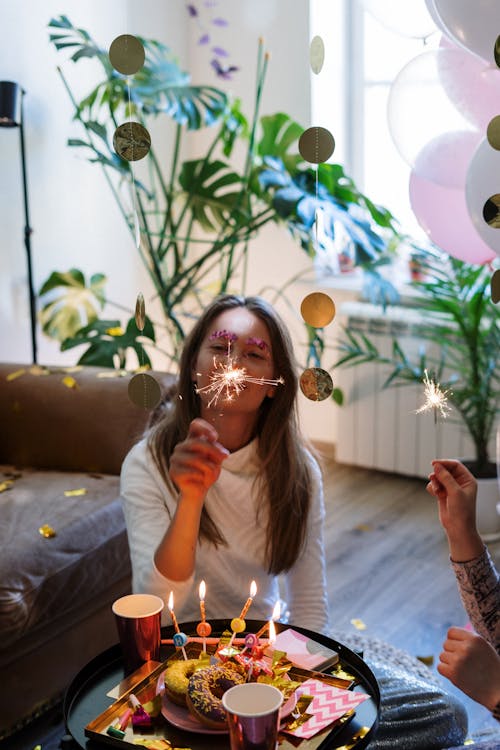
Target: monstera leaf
(159,86)
(214,189)
(69,303)
(109,343)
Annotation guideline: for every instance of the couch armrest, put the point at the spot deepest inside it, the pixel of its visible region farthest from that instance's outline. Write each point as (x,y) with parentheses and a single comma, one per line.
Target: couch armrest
(48,425)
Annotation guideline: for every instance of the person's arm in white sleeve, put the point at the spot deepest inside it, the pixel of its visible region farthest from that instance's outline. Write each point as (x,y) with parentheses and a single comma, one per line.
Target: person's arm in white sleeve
(305,583)
(148,507)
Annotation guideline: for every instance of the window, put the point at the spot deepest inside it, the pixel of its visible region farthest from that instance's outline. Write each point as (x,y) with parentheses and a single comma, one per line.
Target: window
(349,97)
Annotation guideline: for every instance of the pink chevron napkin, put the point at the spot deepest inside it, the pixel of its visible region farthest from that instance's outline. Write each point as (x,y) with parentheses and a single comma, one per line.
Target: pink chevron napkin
(329,704)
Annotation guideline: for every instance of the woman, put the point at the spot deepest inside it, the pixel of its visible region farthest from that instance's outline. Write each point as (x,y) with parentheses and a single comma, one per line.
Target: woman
(470,661)
(223,488)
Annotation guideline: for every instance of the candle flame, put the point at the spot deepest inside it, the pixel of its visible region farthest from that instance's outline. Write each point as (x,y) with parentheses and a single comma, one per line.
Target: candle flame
(253,589)
(276,611)
(202,590)
(272,632)
(171,601)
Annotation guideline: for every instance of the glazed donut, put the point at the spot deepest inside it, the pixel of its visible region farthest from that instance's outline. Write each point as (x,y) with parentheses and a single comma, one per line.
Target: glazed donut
(176,678)
(205,690)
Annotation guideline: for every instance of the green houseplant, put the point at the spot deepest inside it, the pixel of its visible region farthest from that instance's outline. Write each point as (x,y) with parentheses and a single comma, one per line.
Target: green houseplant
(463,324)
(192,220)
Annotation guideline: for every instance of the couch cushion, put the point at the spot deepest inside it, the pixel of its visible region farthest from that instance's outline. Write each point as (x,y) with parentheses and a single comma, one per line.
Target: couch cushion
(69,419)
(42,578)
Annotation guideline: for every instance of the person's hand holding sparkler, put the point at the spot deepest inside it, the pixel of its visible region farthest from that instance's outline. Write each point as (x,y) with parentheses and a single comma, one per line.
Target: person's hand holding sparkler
(455,489)
(196,461)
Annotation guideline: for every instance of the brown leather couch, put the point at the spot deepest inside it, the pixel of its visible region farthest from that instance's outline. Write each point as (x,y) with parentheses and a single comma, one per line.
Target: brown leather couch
(61,432)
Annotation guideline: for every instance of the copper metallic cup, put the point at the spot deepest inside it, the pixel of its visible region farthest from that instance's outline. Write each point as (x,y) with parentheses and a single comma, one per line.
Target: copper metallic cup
(253,715)
(139,629)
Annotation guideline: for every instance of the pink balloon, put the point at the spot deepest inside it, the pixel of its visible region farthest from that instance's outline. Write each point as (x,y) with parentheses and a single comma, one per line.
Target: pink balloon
(442,213)
(471,84)
(445,159)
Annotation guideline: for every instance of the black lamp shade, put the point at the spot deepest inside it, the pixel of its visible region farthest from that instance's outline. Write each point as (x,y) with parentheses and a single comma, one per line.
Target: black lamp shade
(10,104)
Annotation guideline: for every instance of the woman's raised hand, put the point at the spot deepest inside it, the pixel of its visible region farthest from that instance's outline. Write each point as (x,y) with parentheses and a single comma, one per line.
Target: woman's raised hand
(196,462)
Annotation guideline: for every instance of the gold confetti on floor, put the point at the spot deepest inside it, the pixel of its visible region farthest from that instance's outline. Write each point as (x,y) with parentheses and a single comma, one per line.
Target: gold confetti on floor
(363,527)
(4,486)
(75,493)
(359,624)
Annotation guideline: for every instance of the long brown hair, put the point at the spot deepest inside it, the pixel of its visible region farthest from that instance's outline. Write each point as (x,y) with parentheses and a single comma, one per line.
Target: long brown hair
(281,449)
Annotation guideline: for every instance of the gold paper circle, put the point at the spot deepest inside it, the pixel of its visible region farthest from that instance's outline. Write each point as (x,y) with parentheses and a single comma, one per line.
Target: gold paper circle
(131,141)
(491,211)
(495,286)
(317,309)
(317,54)
(126,54)
(316,145)
(140,312)
(144,391)
(316,384)
(496,51)
(493,133)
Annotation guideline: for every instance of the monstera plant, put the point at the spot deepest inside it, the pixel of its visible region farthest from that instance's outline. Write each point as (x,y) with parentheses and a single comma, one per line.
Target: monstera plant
(192,221)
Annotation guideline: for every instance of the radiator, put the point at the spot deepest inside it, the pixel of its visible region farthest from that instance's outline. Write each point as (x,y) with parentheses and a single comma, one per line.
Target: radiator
(378,428)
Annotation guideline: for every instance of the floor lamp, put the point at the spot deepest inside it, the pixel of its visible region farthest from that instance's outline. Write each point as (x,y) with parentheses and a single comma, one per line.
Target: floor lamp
(11,116)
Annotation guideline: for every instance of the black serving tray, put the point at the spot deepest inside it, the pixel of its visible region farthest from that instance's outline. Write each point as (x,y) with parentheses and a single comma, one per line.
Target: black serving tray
(86,698)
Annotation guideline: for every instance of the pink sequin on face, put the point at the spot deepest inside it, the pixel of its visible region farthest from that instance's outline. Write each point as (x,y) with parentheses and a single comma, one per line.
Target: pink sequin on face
(260,343)
(226,335)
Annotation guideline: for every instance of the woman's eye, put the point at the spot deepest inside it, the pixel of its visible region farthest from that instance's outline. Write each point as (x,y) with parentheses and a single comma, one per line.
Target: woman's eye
(256,355)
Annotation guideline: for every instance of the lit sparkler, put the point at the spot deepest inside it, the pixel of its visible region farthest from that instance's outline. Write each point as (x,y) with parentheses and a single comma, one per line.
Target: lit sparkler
(435,398)
(228,381)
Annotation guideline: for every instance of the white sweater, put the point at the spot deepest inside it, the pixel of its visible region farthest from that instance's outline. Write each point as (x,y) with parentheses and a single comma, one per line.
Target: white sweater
(227,570)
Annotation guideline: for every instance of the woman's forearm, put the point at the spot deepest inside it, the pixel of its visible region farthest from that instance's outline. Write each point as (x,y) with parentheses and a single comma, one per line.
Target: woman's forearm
(175,556)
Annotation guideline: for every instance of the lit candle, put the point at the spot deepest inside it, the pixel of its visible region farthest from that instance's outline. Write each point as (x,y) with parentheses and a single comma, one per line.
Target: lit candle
(203,628)
(272,633)
(202,591)
(246,607)
(275,616)
(179,638)
(172,613)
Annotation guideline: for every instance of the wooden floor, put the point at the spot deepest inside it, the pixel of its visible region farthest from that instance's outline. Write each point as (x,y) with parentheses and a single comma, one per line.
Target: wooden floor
(387,566)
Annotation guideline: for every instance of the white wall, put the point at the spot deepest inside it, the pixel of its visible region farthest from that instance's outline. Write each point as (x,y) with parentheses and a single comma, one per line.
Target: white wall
(73,214)
(75,219)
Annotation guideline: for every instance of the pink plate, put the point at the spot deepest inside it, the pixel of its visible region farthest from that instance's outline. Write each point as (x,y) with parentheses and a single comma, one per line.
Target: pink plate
(180,717)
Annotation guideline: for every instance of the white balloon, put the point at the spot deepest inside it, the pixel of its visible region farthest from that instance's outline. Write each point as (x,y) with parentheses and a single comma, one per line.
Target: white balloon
(411,19)
(481,183)
(420,112)
(473,24)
